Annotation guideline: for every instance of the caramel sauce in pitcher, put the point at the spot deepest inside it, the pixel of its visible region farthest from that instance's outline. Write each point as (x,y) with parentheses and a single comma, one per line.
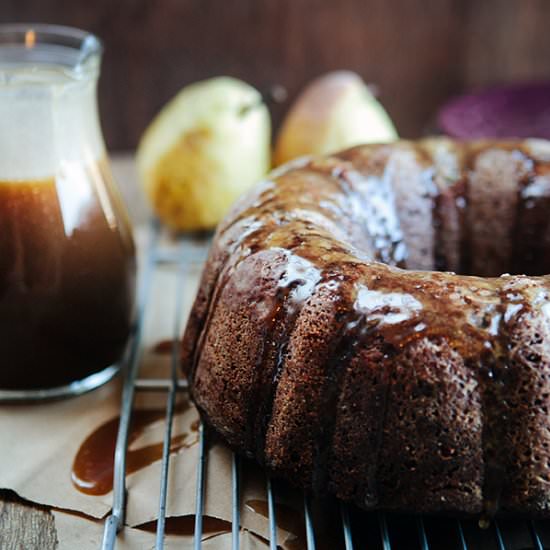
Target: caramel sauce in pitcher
(67,275)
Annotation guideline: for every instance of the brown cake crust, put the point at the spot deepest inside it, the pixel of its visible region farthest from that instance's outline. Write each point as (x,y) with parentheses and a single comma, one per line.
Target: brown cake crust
(310,349)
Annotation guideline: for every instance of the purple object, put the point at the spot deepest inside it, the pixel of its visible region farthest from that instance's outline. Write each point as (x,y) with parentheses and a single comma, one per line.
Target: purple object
(512,111)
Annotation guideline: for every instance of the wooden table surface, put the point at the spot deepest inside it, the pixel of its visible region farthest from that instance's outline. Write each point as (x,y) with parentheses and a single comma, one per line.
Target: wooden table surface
(28,526)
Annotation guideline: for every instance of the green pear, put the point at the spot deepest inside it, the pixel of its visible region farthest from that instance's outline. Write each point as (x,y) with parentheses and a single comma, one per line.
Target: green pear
(207,146)
(335,111)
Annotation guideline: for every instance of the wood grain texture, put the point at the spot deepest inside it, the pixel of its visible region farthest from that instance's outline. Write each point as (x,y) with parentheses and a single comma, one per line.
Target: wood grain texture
(418,53)
(25,526)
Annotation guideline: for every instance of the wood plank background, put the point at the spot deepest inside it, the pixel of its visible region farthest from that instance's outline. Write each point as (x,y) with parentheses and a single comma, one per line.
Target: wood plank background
(418,52)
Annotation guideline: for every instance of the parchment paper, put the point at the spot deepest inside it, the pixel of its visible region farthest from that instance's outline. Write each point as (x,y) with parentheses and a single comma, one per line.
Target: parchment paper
(38,444)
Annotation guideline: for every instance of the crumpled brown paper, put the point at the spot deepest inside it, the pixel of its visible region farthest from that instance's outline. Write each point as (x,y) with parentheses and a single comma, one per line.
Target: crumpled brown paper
(39,443)
(76,532)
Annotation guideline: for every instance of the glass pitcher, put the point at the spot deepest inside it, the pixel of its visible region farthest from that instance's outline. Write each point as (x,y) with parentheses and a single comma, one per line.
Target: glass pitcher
(67,261)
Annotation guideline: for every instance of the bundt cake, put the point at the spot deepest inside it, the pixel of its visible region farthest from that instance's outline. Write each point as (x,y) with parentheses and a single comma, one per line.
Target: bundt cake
(332,341)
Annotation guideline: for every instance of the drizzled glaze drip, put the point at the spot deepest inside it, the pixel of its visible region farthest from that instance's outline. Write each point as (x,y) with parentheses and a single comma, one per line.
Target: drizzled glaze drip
(386,308)
(296,285)
(461,202)
(533,222)
(495,379)
(299,281)
(373,201)
(444,205)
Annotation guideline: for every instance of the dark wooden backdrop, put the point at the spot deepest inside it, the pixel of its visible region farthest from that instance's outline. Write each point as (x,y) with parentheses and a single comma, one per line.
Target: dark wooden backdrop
(419,52)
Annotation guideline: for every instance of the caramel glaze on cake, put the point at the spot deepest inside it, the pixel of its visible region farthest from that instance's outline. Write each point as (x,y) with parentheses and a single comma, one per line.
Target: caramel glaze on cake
(311,349)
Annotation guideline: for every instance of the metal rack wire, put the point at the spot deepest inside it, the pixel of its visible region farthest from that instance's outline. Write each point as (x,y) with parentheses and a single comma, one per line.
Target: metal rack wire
(187,253)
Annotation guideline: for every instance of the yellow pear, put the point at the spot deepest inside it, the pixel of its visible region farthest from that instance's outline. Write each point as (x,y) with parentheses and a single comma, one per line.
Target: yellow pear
(210,143)
(335,111)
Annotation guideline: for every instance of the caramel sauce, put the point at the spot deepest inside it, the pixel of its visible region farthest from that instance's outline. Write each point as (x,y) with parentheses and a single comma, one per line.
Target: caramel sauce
(195,425)
(92,470)
(67,274)
(185,526)
(164,347)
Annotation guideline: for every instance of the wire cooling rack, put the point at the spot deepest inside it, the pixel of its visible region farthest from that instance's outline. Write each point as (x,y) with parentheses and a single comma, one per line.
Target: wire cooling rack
(358,529)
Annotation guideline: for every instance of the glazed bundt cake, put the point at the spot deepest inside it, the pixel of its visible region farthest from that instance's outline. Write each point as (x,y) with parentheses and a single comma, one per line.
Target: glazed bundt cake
(332,341)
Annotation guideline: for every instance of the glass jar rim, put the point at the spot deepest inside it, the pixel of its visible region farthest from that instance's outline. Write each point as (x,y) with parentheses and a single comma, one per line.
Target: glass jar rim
(76,50)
